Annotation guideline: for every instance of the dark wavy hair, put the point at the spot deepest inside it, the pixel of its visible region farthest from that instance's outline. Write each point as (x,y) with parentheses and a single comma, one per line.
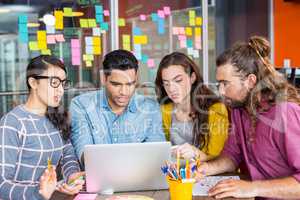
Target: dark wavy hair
(252,57)
(58,116)
(201,96)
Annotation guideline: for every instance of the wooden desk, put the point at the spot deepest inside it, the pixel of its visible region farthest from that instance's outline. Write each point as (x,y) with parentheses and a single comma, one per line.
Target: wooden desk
(157,195)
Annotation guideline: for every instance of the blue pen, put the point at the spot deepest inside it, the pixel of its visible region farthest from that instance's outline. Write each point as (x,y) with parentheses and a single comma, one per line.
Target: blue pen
(175,174)
(182,173)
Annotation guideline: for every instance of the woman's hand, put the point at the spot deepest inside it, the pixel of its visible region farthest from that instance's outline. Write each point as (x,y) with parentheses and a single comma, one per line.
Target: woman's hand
(74,184)
(188,151)
(48,183)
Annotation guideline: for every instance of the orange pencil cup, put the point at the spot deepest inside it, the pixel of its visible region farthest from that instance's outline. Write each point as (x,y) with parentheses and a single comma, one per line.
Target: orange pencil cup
(179,190)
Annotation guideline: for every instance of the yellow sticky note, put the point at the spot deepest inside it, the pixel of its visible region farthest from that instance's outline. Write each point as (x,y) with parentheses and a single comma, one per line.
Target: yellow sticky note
(46,52)
(198,21)
(33,46)
(189,31)
(88,57)
(121,22)
(97,50)
(192,22)
(83,23)
(140,39)
(68,12)
(192,13)
(126,38)
(41,35)
(96,41)
(92,23)
(88,63)
(126,46)
(59,19)
(198,31)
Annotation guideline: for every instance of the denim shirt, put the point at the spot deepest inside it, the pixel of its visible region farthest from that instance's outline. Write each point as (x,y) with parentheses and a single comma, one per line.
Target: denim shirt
(93,122)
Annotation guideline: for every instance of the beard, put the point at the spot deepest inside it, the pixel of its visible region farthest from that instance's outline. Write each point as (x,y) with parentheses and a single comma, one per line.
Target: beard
(237,103)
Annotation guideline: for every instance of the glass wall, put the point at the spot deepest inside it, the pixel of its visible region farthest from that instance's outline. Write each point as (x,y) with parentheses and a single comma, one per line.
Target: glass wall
(81,32)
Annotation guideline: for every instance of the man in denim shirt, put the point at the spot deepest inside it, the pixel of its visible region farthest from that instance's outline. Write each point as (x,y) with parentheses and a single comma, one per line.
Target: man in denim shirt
(115,114)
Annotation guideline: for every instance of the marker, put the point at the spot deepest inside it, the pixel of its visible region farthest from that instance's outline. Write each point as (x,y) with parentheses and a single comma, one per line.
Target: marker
(187,169)
(49,165)
(182,173)
(178,161)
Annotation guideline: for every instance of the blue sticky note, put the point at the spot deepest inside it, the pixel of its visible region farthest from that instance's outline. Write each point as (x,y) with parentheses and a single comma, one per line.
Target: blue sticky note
(23,28)
(138,51)
(161,26)
(189,43)
(99,18)
(104,26)
(98,9)
(137,31)
(144,58)
(23,37)
(154,17)
(23,19)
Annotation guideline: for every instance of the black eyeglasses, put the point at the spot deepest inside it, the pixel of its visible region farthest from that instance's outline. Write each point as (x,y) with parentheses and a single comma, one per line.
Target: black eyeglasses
(55,81)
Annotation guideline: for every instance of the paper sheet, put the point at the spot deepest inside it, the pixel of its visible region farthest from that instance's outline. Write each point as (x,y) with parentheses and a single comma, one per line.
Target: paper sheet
(201,188)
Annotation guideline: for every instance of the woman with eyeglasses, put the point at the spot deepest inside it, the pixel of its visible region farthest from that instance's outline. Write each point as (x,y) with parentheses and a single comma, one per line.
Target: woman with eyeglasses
(34,138)
(194,119)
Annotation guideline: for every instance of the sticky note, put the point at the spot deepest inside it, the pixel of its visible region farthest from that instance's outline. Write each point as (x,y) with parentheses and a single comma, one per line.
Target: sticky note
(23,37)
(106,12)
(46,52)
(96,31)
(89,41)
(137,31)
(188,31)
(23,28)
(83,23)
(42,40)
(181,30)
(167,10)
(22,19)
(182,37)
(190,51)
(127,46)
(50,29)
(140,39)
(104,26)
(76,52)
(68,12)
(59,19)
(189,43)
(126,38)
(198,45)
(192,15)
(121,22)
(96,41)
(89,57)
(144,58)
(51,39)
(33,46)
(182,43)
(198,31)
(143,17)
(97,50)
(161,26)
(150,63)
(196,54)
(99,18)
(88,64)
(154,17)
(137,51)
(198,38)
(92,23)
(76,60)
(75,43)
(198,21)
(98,9)
(60,38)
(161,13)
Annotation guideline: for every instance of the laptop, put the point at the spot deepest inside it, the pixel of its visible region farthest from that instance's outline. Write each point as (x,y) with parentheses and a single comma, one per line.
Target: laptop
(126,167)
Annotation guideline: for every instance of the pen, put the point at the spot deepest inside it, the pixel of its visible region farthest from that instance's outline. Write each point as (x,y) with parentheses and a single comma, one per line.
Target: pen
(187,168)
(178,161)
(49,164)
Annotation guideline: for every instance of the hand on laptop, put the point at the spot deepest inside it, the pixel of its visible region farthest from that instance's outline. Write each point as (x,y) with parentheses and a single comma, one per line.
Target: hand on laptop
(188,151)
(74,184)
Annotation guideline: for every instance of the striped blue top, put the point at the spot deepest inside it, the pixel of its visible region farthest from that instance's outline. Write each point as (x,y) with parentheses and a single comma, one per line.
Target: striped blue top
(27,141)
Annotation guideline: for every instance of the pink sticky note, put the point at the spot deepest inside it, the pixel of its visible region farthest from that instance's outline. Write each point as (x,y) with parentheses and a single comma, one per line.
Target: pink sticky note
(182,44)
(86,197)
(161,13)
(51,39)
(76,60)
(175,31)
(182,37)
(198,38)
(75,52)
(198,45)
(60,38)
(167,10)
(150,63)
(106,12)
(75,43)
(142,17)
